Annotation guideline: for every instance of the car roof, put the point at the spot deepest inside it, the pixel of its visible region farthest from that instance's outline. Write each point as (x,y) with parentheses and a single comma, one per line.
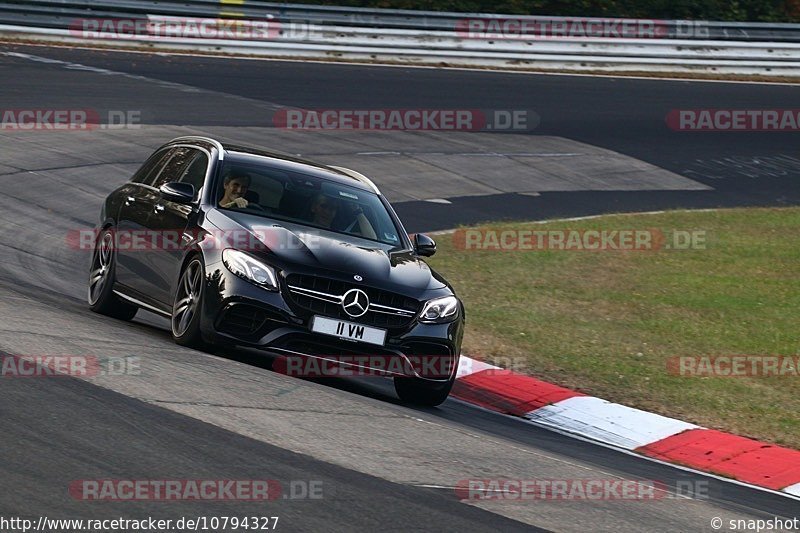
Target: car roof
(284,161)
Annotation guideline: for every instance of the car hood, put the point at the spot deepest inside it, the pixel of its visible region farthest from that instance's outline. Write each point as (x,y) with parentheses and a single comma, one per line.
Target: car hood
(293,246)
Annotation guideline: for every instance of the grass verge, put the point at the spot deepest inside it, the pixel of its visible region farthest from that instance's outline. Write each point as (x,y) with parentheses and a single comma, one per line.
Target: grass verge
(609,322)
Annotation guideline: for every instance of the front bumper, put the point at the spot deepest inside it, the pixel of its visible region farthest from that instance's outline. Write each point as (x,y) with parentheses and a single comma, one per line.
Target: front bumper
(237,312)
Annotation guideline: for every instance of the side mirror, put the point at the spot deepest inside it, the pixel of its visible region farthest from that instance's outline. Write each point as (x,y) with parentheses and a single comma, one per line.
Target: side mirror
(424,245)
(181,193)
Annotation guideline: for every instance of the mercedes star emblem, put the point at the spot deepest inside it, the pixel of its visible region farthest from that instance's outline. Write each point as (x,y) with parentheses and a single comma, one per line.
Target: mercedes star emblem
(355,302)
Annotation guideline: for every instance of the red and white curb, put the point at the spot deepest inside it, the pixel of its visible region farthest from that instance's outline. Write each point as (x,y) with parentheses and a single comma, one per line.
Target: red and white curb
(666,439)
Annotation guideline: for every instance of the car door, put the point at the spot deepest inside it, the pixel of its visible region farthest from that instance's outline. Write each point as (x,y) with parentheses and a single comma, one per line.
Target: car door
(138,198)
(169,221)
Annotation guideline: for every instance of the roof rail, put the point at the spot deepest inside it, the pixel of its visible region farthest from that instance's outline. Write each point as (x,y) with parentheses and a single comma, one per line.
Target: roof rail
(358,176)
(216,143)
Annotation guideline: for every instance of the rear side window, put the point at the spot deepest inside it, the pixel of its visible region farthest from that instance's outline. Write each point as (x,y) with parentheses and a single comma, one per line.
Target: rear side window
(150,168)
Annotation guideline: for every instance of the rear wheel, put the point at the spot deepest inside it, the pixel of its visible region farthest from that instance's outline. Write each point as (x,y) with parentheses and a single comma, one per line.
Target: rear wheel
(188,305)
(101,295)
(423,392)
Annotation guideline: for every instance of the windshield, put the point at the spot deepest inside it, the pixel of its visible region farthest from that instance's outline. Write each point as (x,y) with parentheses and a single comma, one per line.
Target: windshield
(300,198)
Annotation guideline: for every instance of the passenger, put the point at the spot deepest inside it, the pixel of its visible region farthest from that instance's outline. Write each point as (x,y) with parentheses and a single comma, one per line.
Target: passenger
(235,187)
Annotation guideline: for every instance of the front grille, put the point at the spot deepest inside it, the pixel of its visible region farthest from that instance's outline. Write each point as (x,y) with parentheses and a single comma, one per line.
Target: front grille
(322,296)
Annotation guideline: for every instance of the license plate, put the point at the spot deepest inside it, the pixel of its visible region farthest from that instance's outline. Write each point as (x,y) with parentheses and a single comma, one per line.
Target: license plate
(348,330)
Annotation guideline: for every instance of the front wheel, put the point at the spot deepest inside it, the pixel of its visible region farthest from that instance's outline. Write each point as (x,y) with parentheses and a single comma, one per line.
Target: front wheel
(423,392)
(101,295)
(188,305)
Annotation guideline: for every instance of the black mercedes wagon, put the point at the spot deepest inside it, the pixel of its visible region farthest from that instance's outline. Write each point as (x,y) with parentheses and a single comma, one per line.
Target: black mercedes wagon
(242,246)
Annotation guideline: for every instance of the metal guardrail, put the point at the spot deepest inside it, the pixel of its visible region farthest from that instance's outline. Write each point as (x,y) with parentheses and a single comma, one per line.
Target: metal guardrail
(379,18)
(424,37)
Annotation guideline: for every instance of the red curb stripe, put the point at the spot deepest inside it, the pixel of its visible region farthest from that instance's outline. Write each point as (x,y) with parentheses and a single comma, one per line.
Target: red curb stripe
(759,463)
(507,392)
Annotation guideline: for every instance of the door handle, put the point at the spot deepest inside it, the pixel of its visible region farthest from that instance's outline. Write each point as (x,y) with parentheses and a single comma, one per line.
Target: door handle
(159,208)
(130,200)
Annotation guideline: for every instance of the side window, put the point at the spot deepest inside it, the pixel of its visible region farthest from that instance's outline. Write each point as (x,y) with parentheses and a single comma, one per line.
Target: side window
(195,172)
(150,168)
(173,170)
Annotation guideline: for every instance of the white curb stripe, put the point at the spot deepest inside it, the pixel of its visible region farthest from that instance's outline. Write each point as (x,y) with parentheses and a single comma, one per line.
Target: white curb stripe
(608,422)
(794,489)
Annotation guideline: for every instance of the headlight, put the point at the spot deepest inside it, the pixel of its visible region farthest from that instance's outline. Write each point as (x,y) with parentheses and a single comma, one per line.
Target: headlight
(439,310)
(247,267)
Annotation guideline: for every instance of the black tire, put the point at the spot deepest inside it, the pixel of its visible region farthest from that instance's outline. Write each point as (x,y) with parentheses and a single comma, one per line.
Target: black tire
(423,392)
(188,304)
(100,294)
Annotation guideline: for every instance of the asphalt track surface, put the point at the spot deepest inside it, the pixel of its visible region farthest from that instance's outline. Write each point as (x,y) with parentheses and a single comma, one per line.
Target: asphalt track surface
(383,465)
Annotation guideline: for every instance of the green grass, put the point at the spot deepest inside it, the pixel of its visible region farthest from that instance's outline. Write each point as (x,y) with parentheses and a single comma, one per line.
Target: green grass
(606,322)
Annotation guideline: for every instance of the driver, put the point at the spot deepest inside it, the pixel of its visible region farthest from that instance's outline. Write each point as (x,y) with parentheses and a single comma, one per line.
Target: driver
(323,210)
(235,186)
